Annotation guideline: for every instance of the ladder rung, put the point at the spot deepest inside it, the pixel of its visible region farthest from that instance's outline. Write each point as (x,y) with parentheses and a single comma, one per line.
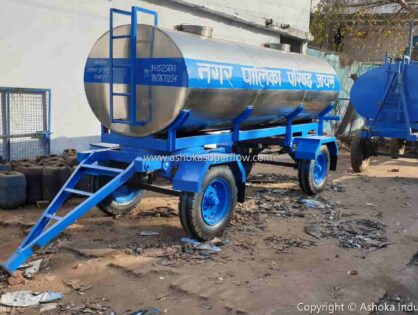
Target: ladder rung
(101,170)
(121,94)
(79,192)
(121,36)
(54,217)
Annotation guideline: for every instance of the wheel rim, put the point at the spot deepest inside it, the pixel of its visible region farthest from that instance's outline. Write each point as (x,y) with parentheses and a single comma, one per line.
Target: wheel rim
(216,202)
(320,168)
(125,194)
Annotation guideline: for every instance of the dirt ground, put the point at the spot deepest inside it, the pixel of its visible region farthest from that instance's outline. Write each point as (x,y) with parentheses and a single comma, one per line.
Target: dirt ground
(270,265)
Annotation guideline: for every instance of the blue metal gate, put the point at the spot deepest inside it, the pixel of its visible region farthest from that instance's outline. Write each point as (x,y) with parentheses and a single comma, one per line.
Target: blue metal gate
(24,123)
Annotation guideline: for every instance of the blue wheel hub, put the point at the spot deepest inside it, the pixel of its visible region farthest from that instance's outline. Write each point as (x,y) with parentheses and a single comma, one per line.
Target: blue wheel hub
(125,194)
(216,202)
(320,168)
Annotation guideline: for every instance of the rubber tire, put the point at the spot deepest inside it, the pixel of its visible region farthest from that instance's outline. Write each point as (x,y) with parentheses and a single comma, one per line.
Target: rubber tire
(109,205)
(190,206)
(359,159)
(33,175)
(12,189)
(306,174)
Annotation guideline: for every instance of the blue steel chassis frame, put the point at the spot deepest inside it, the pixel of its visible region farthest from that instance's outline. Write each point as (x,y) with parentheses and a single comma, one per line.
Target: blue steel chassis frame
(182,160)
(157,155)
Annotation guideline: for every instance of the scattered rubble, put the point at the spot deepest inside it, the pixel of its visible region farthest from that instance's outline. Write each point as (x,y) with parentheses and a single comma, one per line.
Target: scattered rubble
(48,307)
(358,233)
(311,203)
(15,279)
(151,311)
(396,302)
(281,244)
(86,308)
(204,249)
(394,170)
(165,212)
(31,268)
(79,286)
(148,233)
(269,178)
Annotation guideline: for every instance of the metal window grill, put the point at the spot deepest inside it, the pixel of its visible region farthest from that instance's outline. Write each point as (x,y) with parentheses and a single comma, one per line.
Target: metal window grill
(24,123)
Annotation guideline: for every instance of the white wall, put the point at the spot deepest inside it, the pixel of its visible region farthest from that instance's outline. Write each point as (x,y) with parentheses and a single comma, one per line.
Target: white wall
(296,13)
(44,44)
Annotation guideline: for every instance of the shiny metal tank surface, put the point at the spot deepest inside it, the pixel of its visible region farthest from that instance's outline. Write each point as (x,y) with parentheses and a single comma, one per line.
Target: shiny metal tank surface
(214,79)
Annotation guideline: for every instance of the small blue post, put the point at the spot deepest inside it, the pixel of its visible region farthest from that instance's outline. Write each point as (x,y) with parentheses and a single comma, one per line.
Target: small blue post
(239,120)
(290,118)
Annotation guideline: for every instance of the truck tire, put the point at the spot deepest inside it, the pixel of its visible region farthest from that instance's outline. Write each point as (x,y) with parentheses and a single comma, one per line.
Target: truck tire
(313,174)
(360,160)
(124,199)
(33,175)
(12,189)
(206,214)
(120,202)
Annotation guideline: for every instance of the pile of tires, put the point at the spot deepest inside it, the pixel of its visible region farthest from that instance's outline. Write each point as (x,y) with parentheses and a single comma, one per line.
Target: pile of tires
(29,181)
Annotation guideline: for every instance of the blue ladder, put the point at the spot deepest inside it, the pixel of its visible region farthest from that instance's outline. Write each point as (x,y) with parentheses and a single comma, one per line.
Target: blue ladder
(392,118)
(50,225)
(131,94)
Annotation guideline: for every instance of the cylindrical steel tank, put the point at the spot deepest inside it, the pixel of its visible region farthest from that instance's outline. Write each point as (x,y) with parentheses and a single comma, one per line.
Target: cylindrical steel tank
(368,93)
(214,79)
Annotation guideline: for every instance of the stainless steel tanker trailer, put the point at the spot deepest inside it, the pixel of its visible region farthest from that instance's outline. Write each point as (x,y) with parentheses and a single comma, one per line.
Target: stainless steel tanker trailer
(196,111)
(387,98)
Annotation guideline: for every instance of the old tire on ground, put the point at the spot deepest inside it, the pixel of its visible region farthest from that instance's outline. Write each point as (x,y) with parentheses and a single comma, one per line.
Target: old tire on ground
(124,199)
(12,189)
(313,174)
(360,160)
(33,175)
(397,147)
(206,214)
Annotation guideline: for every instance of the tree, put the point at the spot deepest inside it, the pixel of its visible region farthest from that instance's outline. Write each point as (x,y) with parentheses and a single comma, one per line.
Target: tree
(370,28)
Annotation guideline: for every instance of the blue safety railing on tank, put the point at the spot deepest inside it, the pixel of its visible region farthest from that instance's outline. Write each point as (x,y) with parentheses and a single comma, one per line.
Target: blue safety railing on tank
(131,94)
(401,126)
